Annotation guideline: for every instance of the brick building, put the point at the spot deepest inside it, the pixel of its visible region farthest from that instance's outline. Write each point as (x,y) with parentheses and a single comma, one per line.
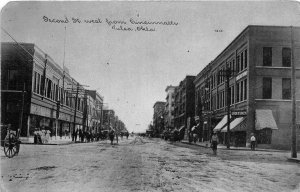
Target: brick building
(184,110)
(158,118)
(169,107)
(260,60)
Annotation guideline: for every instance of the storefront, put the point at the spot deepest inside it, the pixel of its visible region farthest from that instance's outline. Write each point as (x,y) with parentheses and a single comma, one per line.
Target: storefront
(264,125)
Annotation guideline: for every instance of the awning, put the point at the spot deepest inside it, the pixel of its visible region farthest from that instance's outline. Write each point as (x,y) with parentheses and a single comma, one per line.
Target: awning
(238,124)
(181,128)
(221,124)
(265,119)
(193,128)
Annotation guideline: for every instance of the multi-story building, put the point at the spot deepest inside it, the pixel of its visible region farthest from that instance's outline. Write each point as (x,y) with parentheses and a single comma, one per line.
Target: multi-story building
(108,118)
(94,103)
(184,110)
(169,108)
(259,60)
(158,117)
(49,92)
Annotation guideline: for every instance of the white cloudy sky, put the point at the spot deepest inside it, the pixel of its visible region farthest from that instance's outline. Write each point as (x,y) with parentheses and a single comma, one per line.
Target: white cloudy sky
(141,64)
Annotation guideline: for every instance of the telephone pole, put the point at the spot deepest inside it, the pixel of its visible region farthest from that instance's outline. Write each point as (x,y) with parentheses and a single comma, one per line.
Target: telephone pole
(227,73)
(76,98)
(293,90)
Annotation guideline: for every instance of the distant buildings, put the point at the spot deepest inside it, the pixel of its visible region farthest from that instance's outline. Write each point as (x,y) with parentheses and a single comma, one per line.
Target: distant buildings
(158,117)
(169,107)
(37,93)
(259,60)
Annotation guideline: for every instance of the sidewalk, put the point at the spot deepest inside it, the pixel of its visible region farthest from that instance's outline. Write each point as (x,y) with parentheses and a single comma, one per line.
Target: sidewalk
(52,141)
(224,147)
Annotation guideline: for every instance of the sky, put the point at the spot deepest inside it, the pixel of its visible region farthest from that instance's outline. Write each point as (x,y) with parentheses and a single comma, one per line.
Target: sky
(131,69)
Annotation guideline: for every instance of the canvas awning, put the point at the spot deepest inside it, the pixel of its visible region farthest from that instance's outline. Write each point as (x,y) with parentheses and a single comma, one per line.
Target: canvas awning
(221,124)
(264,119)
(238,124)
(181,128)
(193,128)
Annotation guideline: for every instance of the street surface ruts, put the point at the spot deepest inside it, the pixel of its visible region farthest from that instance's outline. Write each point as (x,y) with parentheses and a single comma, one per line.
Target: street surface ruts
(142,164)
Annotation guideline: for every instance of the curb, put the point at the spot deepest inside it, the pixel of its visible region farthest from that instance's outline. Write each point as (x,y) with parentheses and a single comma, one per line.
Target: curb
(68,143)
(297,160)
(237,149)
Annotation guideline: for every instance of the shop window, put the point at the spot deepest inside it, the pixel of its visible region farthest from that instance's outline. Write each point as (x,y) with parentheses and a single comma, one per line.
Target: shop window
(286,57)
(267,88)
(286,88)
(264,136)
(267,56)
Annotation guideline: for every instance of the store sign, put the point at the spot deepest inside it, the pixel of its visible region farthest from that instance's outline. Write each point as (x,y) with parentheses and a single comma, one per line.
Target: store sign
(241,75)
(239,113)
(206,112)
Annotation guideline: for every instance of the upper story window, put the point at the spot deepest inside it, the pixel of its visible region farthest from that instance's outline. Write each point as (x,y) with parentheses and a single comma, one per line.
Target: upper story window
(286,57)
(14,80)
(267,88)
(286,88)
(267,56)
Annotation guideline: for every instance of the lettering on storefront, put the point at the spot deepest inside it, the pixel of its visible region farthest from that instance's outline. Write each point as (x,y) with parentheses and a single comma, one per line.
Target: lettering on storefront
(239,113)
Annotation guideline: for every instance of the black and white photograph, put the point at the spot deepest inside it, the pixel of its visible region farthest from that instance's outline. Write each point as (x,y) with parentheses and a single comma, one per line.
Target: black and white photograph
(150,96)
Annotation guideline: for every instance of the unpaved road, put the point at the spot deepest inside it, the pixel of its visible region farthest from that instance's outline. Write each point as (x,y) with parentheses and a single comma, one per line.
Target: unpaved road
(145,165)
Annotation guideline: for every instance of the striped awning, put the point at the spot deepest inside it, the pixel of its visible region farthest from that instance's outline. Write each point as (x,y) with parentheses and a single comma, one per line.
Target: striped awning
(221,124)
(238,124)
(181,128)
(265,119)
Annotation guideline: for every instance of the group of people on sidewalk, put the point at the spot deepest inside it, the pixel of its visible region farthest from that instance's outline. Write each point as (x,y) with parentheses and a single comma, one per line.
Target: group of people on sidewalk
(215,142)
(41,136)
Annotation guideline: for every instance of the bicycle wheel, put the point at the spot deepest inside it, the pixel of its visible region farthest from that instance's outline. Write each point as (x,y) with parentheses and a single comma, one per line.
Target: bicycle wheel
(10,145)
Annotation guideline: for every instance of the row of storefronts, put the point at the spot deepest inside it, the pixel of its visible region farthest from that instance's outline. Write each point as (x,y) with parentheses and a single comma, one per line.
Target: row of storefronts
(250,80)
(36,93)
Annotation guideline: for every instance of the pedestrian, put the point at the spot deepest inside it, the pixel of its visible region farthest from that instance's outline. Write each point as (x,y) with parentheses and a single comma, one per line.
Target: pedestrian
(117,135)
(75,135)
(80,135)
(66,133)
(111,136)
(214,142)
(253,142)
(47,136)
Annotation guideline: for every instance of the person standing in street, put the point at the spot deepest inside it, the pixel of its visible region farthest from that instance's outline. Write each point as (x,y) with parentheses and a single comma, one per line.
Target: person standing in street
(111,136)
(214,143)
(253,142)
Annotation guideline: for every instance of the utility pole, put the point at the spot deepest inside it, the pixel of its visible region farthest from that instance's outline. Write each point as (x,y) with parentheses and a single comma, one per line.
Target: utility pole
(57,116)
(227,73)
(293,90)
(84,119)
(22,108)
(76,97)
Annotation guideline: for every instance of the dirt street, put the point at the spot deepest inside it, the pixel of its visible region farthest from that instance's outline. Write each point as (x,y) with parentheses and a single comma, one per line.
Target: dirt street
(140,164)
